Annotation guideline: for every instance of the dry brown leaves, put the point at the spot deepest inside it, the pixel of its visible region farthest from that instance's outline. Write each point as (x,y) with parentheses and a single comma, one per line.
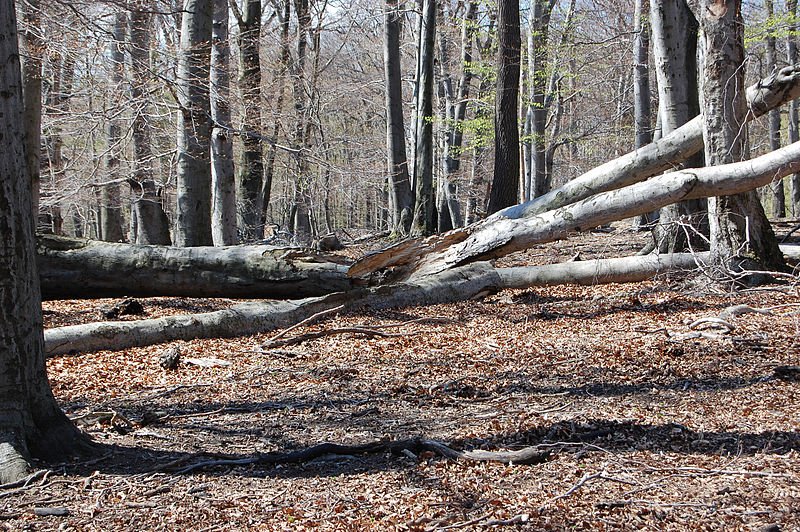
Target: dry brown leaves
(647,432)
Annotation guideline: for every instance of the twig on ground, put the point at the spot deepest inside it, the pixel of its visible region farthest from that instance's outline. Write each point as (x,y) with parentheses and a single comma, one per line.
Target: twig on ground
(303,322)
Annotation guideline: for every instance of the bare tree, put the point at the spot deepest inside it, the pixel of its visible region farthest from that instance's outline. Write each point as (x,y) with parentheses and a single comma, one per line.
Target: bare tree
(193,226)
(741,236)
(31,50)
(424,204)
(31,423)
(776,188)
(223,186)
(506,149)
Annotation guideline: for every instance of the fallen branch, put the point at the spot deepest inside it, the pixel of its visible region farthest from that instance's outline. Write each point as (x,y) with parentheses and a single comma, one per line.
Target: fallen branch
(330,332)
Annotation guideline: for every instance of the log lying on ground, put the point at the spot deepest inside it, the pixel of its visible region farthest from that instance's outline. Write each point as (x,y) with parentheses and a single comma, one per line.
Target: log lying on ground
(501,236)
(79,268)
(458,284)
(664,154)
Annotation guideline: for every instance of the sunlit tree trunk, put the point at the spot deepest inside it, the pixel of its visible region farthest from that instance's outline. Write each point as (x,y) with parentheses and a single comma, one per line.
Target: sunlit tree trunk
(539,29)
(223,186)
(31,423)
(193,227)
(643,130)
(674,39)
(776,188)
(506,151)
(741,236)
(301,206)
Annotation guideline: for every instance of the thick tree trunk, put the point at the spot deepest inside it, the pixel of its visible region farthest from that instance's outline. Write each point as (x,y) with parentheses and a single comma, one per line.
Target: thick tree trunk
(424,204)
(741,236)
(496,237)
(31,423)
(251,163)
(152,224)
(223,182)
(399,181)
(76,268)
(505,183)
(193,227)
(661,155)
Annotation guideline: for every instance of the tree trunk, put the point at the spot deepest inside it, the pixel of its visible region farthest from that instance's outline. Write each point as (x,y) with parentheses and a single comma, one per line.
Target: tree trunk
(251,163)
(643,129)
(663,154)
(499,236)
(152,224)
(776,187)
(505,183)
(741,236)
(539,28)
(110,203)
(193,227)
(792,118)
(301,207)
(399,182)
(76,268)
(424,204)
(31,423)
(60,95)
(31,49)
(223,182)
(674,38)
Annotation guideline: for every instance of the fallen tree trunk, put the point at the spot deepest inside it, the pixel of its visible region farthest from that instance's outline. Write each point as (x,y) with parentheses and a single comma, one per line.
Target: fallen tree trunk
(500,236)
(781,87)
(458,284)
(79,268)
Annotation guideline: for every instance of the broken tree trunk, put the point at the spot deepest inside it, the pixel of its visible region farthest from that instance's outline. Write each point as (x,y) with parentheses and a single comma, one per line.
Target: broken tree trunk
(496,237)
(458,284)
(79,268)
(656,157)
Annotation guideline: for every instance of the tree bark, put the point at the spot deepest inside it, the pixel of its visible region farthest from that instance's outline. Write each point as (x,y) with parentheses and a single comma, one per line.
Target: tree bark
(499,236)
(399,181)
(251,163)
(792,119)
(301,207)
(193,227)
(31,423)
(505,183)
(152,224)
(643,129)
(741,236)
(424,204)
(110,203)
(539,31)
(776,187)
(77,268)
(223,182)
(31,48)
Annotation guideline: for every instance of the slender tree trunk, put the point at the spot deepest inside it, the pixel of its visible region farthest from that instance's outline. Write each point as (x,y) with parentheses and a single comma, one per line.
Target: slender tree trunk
(193,227)
(223,183)
(60,95)
(110,203)
(792,118)
(505,183)
(425,205)
(251,163)
(643,130)
(539,24)
(31,423)
(399,182)
(152,224)
(280,78)
(741,236)
(301,219)
(31,50)
(776,188)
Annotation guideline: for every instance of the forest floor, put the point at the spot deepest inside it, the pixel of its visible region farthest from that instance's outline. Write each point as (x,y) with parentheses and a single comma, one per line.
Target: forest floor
(647,427)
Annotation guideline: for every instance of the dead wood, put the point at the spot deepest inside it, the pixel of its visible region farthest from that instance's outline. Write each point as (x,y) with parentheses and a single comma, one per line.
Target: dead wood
(330,332)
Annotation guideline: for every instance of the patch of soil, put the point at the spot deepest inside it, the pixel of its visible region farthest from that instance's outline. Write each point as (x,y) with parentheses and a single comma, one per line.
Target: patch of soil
(648,427)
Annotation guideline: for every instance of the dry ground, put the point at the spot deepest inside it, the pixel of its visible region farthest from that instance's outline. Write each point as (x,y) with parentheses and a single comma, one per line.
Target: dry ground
(647,431)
